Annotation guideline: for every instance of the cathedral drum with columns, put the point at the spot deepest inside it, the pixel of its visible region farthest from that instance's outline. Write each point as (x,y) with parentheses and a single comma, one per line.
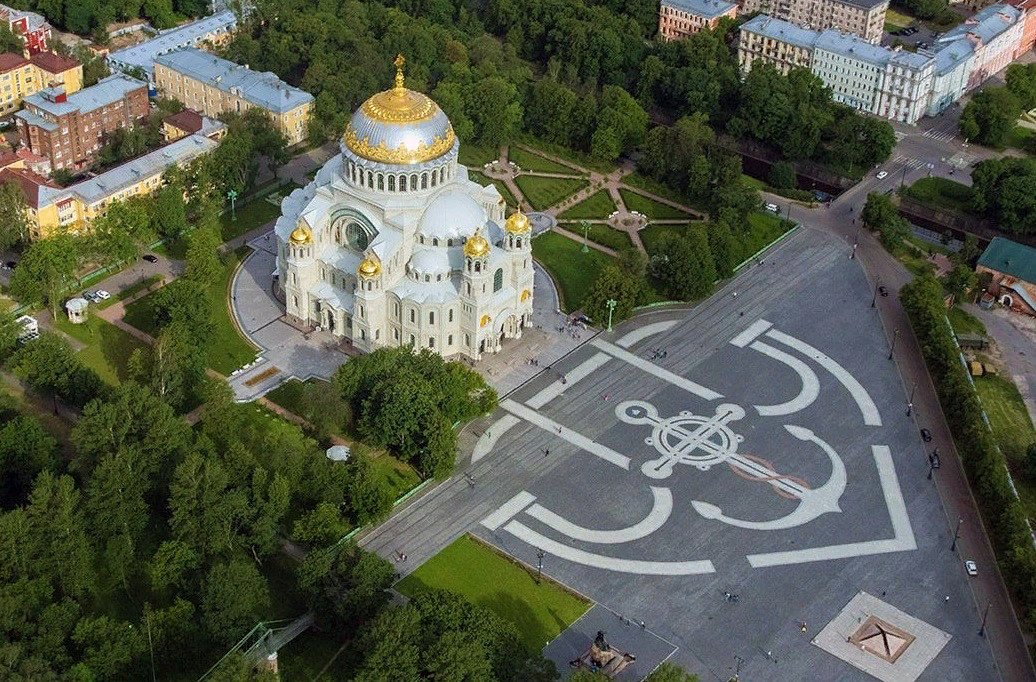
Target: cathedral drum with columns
(392,244)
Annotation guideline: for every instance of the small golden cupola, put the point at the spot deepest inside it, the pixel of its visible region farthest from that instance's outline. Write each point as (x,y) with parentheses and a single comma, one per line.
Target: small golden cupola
(518,222)
(369,268)
(476,246)
(301,235)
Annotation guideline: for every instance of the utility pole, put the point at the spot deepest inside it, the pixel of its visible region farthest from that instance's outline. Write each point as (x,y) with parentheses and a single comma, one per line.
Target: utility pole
(585,224)
(985,615)
(852,255)
(232,196)
(956,535)
(611,303)
(892,348)
(877,285)
(539,565)
(910,403)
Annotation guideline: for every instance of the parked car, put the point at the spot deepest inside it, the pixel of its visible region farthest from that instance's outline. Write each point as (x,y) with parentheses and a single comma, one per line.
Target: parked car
(883,291)
(91,296)
(971,567)
(150,258)
(882,175)
(923,45)
(102,295)
(772,208)
(926,435)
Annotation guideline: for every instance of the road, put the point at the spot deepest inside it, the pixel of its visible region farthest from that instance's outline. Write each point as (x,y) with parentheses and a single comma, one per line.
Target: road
(1003,628)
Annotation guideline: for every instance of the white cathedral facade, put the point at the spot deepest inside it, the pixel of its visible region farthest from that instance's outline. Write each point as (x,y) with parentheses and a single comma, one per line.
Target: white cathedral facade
(392,244)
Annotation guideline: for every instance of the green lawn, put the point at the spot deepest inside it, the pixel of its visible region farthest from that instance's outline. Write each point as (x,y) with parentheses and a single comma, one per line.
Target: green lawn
(1021,138)
(942,193)
(475,156)
(965,323)
(228,350)
(655,187)
(571,155)
(598,205)
(1012,428)
(509,590)
(107,350)
(896,20)
(649,207)
(534,162)
(483,179)
(256,212)
(605,236)
(763,228)
(543,192)
(572,269)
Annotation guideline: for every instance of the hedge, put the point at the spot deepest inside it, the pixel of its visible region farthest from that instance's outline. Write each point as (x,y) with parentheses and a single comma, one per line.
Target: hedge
(1000,506)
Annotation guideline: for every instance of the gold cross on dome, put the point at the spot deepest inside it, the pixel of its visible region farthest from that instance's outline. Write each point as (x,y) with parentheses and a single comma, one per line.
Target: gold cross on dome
(399,61)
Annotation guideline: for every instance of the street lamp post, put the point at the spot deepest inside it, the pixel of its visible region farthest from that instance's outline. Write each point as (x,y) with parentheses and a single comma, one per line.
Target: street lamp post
(956,535)
(874,298)
(892,348)
(539,565)
(611,303)
(910,403)
(852,254)
(232,196)
(985,615)
(585,224)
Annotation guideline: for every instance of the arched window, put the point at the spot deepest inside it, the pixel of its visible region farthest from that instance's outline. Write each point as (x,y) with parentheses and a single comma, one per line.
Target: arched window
(370,179)
(518,242)
(392,183)
(498,280)
(413,181)
(435,241)
(424,180)
(381,181)
(449,242)
(451,315)
(478,266)
(402,183)
(431,317)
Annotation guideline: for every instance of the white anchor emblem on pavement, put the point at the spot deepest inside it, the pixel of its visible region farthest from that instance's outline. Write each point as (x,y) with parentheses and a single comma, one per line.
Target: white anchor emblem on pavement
(702,442)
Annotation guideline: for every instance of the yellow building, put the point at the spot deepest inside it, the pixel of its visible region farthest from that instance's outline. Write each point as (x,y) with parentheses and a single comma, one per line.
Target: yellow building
(214,86)
(21,77)
(50,207)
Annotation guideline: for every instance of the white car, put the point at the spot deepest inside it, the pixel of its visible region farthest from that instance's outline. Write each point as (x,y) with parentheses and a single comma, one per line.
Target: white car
(772,208)
(971,567)
(882,175)
(103,295)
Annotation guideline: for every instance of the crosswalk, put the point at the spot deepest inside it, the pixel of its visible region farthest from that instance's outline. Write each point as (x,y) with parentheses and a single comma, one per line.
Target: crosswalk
(899,161)
(942,135)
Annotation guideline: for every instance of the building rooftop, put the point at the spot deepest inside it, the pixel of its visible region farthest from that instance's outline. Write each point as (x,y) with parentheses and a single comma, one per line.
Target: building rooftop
(53,63)
(262,89)
(187,120)
(865,4)
(853,46)
(707,9)
(781,30)
(105,92)
(986,24)
(130,173)
(950,56)
(10,60)
(143,55)
(35,120)
(34,21)
(1010,258)
(32,185)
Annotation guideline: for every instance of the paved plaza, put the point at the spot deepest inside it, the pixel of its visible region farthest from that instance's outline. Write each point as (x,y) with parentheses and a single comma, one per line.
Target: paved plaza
(728,476)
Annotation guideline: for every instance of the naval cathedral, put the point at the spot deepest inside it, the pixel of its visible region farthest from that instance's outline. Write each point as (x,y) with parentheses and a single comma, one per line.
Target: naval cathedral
(392,244)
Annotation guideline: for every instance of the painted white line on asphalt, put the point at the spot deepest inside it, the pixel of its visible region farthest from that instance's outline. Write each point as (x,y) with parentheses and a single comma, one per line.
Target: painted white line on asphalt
(810,383)
(573,437)
(487,441)
(578,556)
(508,510)
(581,371)
(656,518)
(749,335)
(644,332)
(871,416)
(903,540)
(640,363)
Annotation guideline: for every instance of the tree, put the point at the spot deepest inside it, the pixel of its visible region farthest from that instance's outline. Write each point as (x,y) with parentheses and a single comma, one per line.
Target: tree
(203,263)
(50,366)
(46,271)
(990,116)
(1005,189)
(959,280)
(26,449)
(1021,81)
(122,232)
(1030,461)
(320,526)
(724,249)
(10,41)
(169,212)
(206,509)
(878,211)
(234,598)
(684,265)
(60,547)
(14,225)
(369,495)
(173,366)
(495,111)
(782,175)
(670,672)
(549,110)
(110,648)
(621,124)
(345,586)
(612,284)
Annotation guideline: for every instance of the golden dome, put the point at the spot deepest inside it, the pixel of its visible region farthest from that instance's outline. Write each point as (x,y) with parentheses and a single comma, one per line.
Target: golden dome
(476,246)
(369,268)
(301,236)
(399,126)
(517,223)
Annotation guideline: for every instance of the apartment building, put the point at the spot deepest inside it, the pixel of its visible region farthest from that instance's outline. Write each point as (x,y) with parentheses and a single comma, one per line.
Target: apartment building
(865,18)
(1028,39)
(32,27)
(776,42)
(893,84)
(74,207)
(21,77)
(993,36)
(212,86)
(69,129)
(680,18)
(211,31)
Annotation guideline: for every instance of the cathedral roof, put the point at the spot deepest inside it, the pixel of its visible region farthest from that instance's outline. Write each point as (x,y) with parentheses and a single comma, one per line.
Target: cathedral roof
(450,215)
(399,126)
